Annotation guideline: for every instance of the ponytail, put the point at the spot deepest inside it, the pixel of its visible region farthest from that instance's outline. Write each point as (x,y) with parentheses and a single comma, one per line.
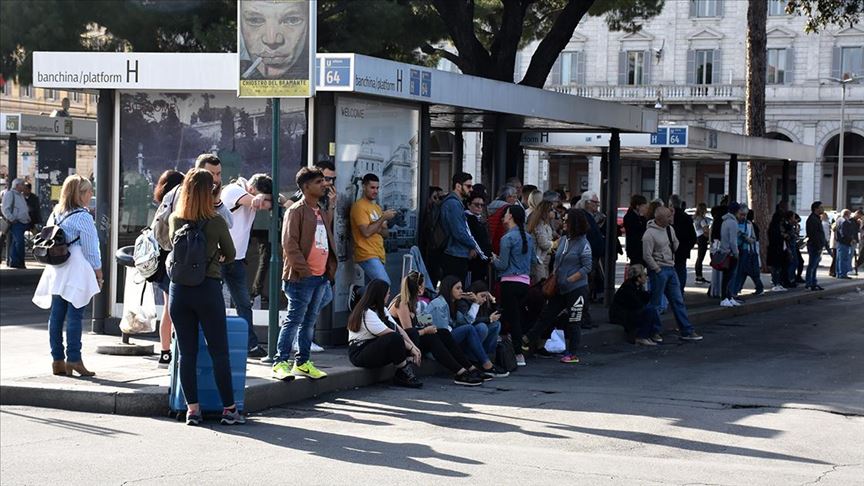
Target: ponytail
(518,215)
(524,239)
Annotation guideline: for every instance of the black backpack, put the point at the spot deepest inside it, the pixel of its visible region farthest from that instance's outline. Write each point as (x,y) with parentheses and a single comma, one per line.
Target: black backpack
(50,246)
(437,235)
(187,263)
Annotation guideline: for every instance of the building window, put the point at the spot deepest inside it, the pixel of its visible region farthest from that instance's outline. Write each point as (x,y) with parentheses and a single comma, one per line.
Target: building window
(93,99)
(635,67)
(26,91)
(851,61)
(50,94)
(705,8)
(777,8)
(74,96)
(776,66)
(568,69)
(648,182)
(704,66)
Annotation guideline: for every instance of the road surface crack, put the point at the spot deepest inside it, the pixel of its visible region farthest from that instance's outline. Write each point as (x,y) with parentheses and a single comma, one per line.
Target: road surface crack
(745,406)
(826,473)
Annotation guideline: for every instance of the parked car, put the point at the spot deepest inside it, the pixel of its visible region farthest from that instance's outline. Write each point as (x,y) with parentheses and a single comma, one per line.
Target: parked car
(620,219)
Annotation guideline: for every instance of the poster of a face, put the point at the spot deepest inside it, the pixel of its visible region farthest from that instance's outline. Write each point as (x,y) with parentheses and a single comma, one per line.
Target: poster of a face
(382,139)
(276,41)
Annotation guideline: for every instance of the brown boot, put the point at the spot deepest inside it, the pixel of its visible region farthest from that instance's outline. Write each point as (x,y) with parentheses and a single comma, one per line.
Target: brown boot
(78,367)
(59,367)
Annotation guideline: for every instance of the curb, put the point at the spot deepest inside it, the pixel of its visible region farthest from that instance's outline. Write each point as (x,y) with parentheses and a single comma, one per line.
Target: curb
(11,278)
(264,393)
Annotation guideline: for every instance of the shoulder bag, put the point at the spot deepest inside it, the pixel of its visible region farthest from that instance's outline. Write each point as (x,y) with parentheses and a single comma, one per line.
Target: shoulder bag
(550,286)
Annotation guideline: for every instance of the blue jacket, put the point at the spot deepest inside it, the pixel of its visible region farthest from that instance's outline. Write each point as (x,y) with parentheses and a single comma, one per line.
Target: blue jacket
(512,261)
(440,312)
(576,258)
(459,242)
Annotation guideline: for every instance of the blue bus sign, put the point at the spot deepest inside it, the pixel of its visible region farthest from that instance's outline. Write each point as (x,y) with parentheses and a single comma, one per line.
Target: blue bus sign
(337,72)
(660,137)
(678,136)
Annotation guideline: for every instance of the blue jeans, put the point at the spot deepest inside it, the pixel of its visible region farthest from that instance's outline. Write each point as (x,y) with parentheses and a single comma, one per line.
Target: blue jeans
(306,298)
(681,272)
(469,341)
(374,268)
(488,334)
(844,260)
(62,310)
(813,265)
(665,282)
(16,244)
(748,266)
(792,267)
(234,276)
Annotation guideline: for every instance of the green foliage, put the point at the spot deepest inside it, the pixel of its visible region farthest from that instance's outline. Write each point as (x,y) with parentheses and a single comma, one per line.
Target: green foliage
(822,13)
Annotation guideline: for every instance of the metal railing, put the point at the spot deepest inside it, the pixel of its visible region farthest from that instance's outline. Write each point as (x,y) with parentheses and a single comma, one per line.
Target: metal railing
(682,93)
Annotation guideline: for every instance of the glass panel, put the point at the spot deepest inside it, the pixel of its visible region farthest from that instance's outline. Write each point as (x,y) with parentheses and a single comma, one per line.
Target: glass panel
(706,8)
(704,66)
(776,64)
(567,67)
(634,67)
(776,7)
(851,61)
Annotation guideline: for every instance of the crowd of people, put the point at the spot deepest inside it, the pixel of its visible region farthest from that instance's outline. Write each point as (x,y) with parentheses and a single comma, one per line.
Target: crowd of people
(493,281)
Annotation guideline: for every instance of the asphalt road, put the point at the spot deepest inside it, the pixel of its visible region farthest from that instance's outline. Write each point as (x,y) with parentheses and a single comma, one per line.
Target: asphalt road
(777,398)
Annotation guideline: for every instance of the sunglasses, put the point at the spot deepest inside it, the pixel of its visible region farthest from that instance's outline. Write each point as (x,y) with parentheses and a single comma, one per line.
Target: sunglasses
(330,179)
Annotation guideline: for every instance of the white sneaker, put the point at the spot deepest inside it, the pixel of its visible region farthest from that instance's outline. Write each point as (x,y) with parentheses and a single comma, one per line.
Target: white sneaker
(315,348)
(645,342)
(520,360)
(778,288)
(727,303)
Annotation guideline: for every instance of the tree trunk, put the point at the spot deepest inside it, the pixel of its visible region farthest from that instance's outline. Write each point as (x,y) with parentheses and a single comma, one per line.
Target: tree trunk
(754,107)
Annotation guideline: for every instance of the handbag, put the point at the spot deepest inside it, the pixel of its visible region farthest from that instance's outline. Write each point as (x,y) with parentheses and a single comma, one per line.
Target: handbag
(505,357)
(550,285)
(721,261)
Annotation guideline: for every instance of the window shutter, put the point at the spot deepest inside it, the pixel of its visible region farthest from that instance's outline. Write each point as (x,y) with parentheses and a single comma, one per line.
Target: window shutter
(554,77)
(647,63)
(691,67)
(622,68)
(716,69)
(693,8)
(580,67)
(835,63)
(719,8)
(788,78)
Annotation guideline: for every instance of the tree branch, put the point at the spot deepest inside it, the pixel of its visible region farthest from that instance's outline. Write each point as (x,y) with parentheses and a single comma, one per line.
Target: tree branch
(435,51)
(458,16)
(554,42)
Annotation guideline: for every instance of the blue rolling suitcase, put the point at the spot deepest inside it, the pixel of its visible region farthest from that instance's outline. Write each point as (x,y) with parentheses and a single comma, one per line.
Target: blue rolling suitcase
(208,394)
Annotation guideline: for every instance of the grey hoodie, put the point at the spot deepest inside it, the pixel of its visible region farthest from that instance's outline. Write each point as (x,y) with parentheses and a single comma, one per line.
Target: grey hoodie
(656,248)
(729,234)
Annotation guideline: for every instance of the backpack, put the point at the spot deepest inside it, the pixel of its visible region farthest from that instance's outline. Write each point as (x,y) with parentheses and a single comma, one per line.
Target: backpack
(146,254)
(187,262)
(438,237)
(50,246)
(159,226)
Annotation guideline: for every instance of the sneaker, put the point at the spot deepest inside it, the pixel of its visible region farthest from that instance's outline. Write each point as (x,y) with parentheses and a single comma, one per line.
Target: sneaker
(645,342)
(354,295)
(569,358)
(657,338)
(759,292)
(193,418)
(164,359)
(315,348)
(468,379)
(482,376)
(816,287)
(405,377)
(727,303)
(232,416)
(520,360)
(282,371)
(700,280)
(497,372)
(308,369)
(257,352)
(778,288)
(526,344)
(542,353)
(691,337)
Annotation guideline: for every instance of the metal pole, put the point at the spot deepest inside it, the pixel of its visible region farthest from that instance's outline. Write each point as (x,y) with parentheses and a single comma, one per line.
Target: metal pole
(275,240)
(12,173)
(104,149)
(841,201)
(733,178)
(784,181)
(665,173)
(613,187)
(425,159)
(500,134)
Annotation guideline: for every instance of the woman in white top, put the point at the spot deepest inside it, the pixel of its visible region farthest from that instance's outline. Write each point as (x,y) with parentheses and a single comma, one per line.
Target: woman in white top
(67,288)
(540,227)
(375,340)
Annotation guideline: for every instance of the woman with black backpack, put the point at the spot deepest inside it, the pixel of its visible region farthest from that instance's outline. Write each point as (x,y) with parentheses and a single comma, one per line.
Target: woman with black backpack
(67,286)
(194,299)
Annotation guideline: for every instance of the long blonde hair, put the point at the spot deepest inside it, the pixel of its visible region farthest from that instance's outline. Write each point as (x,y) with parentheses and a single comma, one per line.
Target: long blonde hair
(196,200)
(540,214)
(73,190)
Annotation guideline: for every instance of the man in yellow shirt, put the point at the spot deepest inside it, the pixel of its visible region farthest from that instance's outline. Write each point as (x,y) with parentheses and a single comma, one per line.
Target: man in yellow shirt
(368,229)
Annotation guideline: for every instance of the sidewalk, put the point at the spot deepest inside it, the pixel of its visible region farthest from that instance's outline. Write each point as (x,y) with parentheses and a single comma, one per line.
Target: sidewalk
(20,277)
(136,386)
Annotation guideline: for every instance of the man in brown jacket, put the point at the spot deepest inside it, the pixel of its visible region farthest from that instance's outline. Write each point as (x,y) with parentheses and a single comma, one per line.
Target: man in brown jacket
(309,270)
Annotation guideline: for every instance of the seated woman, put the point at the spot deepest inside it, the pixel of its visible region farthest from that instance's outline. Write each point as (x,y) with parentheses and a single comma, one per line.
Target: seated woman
(429,338)
(631,308)
(477,308)
(374,340)
(445,315)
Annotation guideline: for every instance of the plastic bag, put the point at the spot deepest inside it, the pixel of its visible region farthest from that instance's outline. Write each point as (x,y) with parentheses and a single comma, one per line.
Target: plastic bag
(555,343)
(138,320)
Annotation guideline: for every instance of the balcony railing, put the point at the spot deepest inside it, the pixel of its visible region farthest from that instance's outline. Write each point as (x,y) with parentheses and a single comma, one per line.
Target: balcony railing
(650,94)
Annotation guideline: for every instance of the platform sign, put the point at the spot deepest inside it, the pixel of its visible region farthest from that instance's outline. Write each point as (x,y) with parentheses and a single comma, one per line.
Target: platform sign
(678,136)
(661,137)
(335,72)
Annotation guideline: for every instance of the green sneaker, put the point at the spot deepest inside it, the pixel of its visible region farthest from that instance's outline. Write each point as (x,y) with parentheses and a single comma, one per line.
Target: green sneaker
(308,369)
(282,371)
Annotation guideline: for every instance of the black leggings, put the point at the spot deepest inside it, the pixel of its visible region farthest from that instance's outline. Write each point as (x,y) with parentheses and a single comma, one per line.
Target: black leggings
(513,296)
(443,348)
(378,352)
(549,317)
(702,243)
(189,306)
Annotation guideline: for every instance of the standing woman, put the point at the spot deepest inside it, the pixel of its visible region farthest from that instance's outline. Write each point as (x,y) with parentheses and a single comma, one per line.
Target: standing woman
(68,287)
(167,182)
(540,227)
(475,215)
(703,236)
(514,266)
(203,303)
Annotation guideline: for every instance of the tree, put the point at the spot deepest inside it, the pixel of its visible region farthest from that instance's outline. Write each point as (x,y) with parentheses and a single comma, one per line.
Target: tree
(822,13)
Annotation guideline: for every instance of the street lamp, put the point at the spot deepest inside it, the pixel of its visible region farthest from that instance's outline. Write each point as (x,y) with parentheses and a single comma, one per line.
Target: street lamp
(847,78)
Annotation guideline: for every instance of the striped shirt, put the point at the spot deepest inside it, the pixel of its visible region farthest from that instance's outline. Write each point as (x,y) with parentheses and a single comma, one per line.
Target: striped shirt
(81,225)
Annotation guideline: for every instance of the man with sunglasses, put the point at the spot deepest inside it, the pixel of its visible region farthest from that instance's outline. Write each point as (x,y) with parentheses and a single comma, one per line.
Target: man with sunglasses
(328,202)
(461,246)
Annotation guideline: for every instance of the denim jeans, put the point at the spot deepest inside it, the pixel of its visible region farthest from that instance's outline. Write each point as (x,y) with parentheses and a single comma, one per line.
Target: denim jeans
(665,282)
(62,310)
(306,298)
(488,334)
(748,266)
(234,276)
(813,265)
(844,260)
(792,266)
(469,341)
(16,244)
(681,272)
(374,268)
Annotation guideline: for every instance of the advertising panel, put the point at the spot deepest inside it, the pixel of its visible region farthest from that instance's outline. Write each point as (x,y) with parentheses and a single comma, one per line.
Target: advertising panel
(276,47)
(382,139)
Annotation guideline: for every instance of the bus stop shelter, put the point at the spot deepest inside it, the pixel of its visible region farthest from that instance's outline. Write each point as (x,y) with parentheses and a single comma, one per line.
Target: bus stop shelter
(159,111)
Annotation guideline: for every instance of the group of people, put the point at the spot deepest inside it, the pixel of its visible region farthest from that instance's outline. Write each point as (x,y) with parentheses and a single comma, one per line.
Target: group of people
(20,211)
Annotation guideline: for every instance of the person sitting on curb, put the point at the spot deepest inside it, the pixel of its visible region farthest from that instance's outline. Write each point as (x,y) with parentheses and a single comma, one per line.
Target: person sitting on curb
(480,311)
(631,307)
(374,340)
(658,249)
